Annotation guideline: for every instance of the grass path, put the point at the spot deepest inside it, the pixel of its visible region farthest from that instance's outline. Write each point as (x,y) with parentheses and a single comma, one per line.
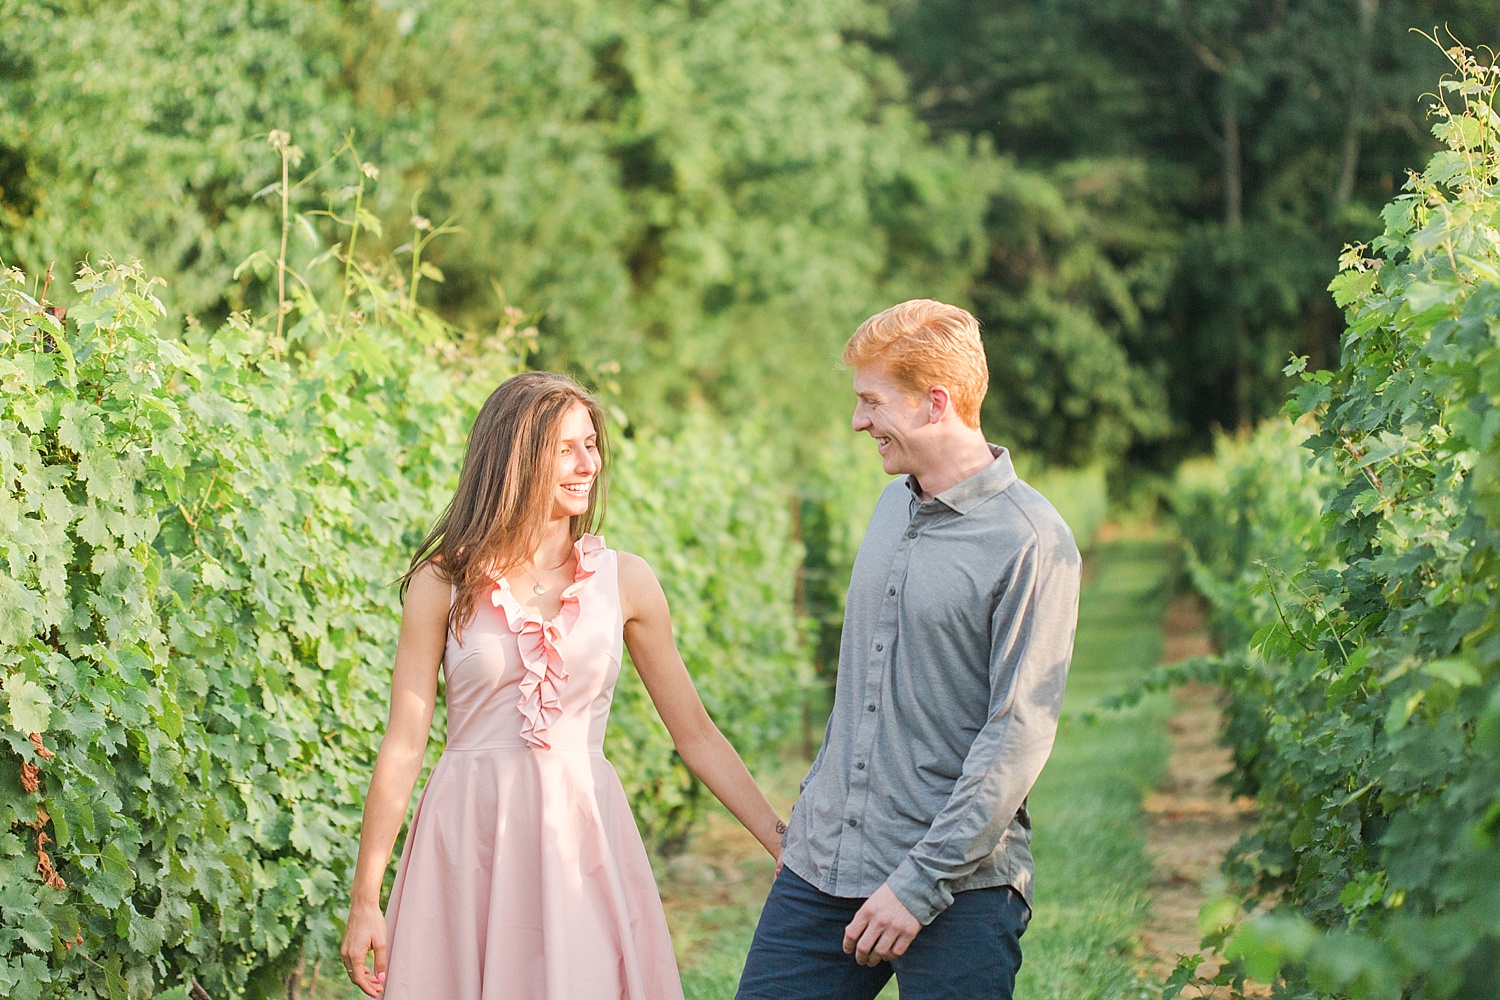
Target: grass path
(1093,873)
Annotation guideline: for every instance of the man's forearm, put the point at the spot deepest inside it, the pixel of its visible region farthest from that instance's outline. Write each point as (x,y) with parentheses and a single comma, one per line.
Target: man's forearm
(1031,645)
(976,816)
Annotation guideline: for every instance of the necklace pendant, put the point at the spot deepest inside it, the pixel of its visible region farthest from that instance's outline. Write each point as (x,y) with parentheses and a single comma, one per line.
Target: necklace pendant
(538,590)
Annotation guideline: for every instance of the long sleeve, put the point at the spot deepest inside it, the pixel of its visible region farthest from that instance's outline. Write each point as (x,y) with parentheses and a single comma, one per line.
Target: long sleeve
(1032,629)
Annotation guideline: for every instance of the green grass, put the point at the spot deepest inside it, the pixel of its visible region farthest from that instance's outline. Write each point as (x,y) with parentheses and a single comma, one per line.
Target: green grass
(711,964)
(1092,870)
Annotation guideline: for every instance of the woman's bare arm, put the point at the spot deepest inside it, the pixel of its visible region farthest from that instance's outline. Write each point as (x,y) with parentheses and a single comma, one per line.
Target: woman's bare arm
(648,635)
(424,630)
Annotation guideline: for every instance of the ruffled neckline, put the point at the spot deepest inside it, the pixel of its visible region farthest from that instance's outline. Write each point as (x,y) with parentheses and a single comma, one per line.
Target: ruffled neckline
(589,553)
(537,640)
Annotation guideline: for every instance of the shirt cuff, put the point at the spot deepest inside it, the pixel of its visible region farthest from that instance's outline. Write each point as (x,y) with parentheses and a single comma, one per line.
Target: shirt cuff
(923,897)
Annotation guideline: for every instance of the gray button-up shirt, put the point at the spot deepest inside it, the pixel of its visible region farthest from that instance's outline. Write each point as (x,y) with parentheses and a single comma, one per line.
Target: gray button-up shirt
(957,635)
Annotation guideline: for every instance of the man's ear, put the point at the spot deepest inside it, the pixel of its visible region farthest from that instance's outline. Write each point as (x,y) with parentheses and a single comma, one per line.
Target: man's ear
(938,403)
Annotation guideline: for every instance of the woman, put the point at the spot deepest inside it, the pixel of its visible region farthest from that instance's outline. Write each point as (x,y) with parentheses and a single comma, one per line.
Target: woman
(523,876)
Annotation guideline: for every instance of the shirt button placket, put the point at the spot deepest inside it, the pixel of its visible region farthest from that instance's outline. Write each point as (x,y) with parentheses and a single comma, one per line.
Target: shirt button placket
(852,846)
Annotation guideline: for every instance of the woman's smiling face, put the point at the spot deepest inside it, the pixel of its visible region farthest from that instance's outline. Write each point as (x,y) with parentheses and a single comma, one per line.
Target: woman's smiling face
(577,462)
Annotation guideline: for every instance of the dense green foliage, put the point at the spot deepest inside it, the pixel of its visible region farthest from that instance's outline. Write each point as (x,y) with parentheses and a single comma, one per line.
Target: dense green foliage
(709,510)
(1193,167)
(709,196)
(1142,201)
(201,535)
(1251,515)
(1365,715)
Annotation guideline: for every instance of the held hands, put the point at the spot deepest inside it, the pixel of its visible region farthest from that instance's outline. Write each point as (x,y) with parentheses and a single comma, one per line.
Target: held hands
(365,933)
(882,929)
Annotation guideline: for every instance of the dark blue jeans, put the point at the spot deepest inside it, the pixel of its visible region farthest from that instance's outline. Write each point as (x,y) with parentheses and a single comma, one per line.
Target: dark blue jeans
(971,951)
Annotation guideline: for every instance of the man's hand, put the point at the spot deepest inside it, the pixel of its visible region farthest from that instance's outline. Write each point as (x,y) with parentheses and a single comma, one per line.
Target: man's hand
(882,929)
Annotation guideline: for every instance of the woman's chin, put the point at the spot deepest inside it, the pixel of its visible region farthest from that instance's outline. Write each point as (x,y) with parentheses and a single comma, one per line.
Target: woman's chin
(573,508)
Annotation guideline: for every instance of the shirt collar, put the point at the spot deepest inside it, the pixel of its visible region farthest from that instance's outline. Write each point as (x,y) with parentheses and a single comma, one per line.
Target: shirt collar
(988,482)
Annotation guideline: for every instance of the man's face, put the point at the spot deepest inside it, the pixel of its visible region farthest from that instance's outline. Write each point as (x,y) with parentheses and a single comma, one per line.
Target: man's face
(891,417)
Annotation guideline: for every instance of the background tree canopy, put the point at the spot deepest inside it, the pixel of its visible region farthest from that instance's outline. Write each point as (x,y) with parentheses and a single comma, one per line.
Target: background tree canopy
(1143,201)
(708,195)
(1201,163)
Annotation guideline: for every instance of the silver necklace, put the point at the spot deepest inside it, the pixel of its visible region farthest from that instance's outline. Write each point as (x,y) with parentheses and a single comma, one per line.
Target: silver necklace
(536,585)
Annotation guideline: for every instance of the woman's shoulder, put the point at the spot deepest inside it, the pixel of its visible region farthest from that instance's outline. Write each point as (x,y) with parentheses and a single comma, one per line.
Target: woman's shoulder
(430,583)
(632,567)
(639,588)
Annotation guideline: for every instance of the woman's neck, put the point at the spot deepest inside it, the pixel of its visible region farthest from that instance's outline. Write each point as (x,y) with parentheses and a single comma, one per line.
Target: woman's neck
(556,545)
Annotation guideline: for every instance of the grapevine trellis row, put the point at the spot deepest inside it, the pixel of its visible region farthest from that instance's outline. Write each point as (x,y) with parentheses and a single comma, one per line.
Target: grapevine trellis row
(1352,562)
(199,537)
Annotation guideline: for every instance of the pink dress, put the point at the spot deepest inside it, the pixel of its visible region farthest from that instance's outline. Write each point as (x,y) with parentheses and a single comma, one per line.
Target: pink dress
(523,876)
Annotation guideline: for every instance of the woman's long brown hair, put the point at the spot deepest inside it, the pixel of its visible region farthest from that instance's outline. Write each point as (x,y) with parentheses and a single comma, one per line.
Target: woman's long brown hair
(505,490)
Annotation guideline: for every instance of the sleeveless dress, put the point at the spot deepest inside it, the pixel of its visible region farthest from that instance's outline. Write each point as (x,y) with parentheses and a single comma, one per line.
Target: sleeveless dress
(523,876)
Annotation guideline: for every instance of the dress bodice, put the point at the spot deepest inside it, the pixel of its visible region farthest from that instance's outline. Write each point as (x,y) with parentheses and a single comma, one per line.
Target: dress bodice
(517,680)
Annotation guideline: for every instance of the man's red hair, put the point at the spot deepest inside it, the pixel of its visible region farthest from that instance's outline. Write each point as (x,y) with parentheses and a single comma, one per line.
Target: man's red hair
(922,343)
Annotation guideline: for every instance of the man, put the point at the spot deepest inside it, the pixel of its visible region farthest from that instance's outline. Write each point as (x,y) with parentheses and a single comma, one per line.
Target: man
(908,850)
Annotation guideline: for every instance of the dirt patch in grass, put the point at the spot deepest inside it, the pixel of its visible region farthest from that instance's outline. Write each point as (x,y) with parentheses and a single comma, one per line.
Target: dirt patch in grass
(1192,820)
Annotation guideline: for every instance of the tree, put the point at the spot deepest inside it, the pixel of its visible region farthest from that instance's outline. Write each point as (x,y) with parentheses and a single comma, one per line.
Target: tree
(701,200)
(1265,136)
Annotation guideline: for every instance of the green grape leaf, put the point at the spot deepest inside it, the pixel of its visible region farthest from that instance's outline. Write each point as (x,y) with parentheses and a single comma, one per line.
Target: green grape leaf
(30,705)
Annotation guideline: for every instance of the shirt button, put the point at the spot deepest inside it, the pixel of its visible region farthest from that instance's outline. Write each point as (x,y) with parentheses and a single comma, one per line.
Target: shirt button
(911,534)
(870,707)
(859,765)
(853,822)
(891,592)
(879,647)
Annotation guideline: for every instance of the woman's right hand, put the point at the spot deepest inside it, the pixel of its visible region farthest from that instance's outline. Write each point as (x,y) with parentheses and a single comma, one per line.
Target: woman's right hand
(364,933)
